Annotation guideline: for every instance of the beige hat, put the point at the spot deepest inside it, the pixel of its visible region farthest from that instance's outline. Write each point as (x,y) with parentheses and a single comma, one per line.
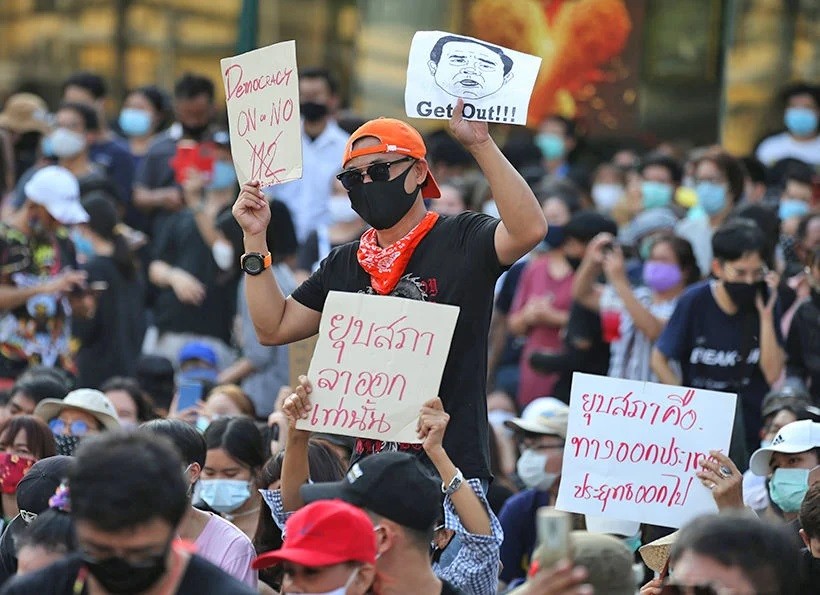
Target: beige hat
(545,415)
(25,112)
(89,400)
(656,553)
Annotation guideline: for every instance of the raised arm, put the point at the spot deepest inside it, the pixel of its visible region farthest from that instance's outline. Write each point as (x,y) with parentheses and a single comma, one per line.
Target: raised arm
(295,466)
(277,320)
(646,322)
(522,221)
(772,357)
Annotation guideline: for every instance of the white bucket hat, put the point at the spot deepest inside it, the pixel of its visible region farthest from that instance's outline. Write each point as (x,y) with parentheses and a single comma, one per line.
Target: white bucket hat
(89,400)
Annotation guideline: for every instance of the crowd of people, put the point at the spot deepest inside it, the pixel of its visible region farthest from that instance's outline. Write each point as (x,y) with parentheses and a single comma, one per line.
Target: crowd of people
(148,299)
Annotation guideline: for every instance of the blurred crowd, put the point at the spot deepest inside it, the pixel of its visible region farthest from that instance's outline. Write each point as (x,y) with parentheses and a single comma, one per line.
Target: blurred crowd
(129,353)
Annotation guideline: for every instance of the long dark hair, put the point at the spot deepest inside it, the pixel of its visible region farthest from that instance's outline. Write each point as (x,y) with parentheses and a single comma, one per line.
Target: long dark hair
(38,435)
(104,221)
(240,438)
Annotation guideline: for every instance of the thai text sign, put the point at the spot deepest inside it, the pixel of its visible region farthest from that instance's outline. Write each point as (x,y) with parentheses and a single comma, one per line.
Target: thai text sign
(633,449)
(262,93)
(377,360)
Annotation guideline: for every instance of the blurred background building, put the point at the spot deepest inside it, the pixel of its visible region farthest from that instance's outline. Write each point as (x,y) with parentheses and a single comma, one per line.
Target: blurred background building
(649,70)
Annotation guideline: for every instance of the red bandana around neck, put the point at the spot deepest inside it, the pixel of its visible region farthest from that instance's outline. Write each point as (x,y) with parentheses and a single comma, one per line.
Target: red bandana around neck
(386,265)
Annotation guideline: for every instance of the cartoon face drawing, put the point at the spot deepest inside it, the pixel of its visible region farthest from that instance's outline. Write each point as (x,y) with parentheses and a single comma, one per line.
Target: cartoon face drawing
(468,69)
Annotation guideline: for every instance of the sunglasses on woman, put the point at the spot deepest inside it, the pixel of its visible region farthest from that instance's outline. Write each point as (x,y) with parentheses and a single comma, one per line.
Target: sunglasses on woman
(76,427)
(378,172)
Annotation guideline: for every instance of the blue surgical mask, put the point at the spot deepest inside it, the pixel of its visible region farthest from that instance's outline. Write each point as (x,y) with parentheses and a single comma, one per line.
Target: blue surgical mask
(554,237)
(788,487)
(633,543)
(223,176)
(551,145)
(792,207)
(224,495)
(82,244)
(801,121)
(655,194)
(135,122)
(711,197)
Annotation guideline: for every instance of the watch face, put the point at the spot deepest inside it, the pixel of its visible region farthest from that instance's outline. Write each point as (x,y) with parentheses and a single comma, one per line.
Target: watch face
(253,264)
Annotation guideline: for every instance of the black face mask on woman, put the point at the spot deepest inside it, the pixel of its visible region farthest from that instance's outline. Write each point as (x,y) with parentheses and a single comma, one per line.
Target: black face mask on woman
(383,204)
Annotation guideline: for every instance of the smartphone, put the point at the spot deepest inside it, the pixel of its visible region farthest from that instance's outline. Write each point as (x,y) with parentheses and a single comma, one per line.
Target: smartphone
(189,395)
(553,528)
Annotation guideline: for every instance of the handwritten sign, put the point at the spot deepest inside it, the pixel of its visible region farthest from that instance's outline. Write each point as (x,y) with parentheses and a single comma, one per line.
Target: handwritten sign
(633,449)
(494,82)
(262,93)
(377,360)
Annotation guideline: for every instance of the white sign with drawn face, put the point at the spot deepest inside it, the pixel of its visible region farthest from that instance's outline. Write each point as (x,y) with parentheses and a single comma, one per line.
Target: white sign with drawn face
(494,82)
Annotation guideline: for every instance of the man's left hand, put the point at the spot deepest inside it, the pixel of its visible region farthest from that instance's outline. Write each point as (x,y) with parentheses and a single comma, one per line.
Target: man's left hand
(469,132)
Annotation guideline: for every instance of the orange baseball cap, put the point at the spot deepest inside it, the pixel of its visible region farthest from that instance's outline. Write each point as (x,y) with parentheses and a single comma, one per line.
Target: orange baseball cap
(394,136)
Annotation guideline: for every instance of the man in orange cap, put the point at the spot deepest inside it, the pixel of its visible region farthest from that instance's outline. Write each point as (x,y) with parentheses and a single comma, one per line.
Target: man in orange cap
(412,253)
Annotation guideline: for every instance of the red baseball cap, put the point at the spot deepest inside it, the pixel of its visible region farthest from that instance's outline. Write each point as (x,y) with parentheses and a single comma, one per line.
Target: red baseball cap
(394,136)
(324,533)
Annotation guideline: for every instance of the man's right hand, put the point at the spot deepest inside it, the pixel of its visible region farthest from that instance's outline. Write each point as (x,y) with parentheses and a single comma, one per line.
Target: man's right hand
(251,210)
(187,288)
(66,281)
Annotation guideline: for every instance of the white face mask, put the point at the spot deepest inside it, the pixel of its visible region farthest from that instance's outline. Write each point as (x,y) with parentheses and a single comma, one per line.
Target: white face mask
(340,591)
(341,210)
(66,143)
(223,255)
(606,196)
(531,467)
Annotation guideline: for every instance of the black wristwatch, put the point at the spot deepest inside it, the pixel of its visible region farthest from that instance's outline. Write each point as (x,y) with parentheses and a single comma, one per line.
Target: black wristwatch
(254,263)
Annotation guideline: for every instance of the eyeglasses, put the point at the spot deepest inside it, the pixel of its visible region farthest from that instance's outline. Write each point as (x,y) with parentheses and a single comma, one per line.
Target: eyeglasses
(747,275)
(378,172)
(76,428)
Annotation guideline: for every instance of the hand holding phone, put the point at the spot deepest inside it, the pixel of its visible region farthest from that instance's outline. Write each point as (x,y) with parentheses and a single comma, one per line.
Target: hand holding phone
(189,395)
(553,527)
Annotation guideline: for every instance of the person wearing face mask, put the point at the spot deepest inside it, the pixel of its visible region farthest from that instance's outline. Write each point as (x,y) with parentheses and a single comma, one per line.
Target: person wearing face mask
(786,462)
(329,549)
(156,192)
(637,315)
(128,549)
(82,413)
(660,177)
(412,253)
(607,187)
(725,332)
(541,431)
(39,264)
(801,140)
(540,308)
(556,139)
(228,483)
(143,116)
(132,404)
(111,336)
(323,144)
(217,540)
(23,123)
(801,342)
(718,183)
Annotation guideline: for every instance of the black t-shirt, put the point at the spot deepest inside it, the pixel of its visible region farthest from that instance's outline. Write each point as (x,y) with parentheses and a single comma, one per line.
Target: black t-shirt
(583,325)
(180,245)
(110,343)
(8,550)
(456,263)
(200,578)
(803,345)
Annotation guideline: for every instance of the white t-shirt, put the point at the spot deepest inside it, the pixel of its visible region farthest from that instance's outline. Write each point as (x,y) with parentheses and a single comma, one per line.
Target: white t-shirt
(783,145)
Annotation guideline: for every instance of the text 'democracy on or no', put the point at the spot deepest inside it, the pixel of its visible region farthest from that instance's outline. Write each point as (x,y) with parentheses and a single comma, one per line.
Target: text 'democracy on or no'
(262,95)
(633,449)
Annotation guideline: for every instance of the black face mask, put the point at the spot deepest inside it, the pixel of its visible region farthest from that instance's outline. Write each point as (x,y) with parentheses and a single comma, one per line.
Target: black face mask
(118,575)
(196,133)
(66,445)
(312,111)
(574,262)
(743,294)
(383,204)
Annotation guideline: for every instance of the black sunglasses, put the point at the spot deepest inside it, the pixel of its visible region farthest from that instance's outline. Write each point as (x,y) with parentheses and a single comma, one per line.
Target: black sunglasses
(378,172)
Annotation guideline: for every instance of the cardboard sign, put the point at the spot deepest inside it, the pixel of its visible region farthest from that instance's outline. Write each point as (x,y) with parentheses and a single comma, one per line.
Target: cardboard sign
(633,449)
(494,82)
(377,360)
(262,93)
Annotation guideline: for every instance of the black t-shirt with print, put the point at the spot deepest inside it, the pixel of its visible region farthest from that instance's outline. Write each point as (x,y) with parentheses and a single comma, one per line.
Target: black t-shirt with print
(200,578)
(455,263)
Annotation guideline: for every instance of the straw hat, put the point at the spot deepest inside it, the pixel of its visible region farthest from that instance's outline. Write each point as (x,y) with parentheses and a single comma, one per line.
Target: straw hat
(656,553)
(25,112)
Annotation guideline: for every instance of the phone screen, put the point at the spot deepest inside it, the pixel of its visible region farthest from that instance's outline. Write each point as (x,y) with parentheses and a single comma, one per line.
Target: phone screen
(189,395)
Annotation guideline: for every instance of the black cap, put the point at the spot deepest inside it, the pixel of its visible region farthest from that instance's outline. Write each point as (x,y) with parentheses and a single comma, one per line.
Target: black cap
(394,485)
(789,396)
(40,483)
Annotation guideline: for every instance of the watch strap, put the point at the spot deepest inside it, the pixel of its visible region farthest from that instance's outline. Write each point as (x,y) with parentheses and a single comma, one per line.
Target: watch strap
(454,484)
